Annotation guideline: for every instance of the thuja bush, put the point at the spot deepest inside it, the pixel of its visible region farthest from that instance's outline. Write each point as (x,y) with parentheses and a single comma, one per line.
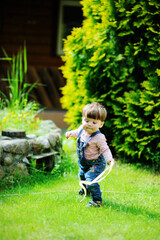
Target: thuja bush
(87,53)
(114,58)
(139,125)
(137,117)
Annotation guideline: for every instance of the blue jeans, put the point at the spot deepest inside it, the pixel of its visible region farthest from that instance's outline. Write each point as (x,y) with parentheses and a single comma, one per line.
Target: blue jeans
(89,173)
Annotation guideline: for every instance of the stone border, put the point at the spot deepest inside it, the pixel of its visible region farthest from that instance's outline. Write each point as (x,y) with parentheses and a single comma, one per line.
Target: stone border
(17,153)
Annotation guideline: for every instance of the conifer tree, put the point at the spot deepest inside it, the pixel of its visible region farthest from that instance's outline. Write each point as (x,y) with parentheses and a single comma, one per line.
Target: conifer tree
(115,58)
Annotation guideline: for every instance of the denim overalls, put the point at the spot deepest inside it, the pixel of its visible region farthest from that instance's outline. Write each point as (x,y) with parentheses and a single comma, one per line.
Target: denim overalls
(90,169)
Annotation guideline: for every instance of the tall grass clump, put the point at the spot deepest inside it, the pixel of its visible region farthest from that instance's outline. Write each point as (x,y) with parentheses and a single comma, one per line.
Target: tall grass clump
(16,111)
(67,161)
(114,58)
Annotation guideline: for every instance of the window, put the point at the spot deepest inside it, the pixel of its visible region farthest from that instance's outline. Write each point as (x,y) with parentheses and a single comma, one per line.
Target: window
(70,15)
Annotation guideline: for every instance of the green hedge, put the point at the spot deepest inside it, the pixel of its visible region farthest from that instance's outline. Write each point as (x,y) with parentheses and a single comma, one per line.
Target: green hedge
(115,58)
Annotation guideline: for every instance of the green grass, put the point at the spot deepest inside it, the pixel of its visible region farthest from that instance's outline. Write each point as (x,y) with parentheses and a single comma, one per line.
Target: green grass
(51,209)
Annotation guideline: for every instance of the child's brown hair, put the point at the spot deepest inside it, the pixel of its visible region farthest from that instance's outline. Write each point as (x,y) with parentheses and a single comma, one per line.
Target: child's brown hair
(94,110)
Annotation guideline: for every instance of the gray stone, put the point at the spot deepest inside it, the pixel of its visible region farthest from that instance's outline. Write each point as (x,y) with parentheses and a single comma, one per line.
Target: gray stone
(17,157)
(18,170)
(8,160)
(34,146)
(18,146)
(45,127)
(5,138)
(48,123)
(44,142)
(52,139)
(30,136)
(56,130)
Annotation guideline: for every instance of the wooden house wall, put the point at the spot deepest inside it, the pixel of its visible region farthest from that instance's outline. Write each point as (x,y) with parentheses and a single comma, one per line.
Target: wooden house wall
(34,22)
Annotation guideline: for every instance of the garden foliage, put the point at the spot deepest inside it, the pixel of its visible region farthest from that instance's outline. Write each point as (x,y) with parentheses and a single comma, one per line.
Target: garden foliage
(16,110)
(115,58)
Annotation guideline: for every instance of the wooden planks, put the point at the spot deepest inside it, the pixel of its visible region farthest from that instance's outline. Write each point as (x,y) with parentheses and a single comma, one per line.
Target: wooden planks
(46,91)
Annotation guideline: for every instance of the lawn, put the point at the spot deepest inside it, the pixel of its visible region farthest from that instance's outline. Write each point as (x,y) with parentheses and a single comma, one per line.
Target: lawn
(51,208)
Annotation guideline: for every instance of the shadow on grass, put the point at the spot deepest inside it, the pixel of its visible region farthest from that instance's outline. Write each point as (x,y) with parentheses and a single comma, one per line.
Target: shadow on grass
(119,207)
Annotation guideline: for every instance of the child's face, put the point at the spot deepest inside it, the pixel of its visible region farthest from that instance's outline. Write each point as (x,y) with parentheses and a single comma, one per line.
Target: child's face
(91,125)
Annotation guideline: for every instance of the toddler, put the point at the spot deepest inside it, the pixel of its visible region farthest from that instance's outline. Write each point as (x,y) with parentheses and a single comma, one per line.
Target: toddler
(92,149)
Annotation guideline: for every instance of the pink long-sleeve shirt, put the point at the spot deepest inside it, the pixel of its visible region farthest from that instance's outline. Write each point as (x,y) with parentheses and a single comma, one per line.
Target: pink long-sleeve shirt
(96,145)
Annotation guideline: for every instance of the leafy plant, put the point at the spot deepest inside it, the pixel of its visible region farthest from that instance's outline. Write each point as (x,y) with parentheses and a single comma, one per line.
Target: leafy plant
(17,112)
(19,89)
(136,121)
(67,162)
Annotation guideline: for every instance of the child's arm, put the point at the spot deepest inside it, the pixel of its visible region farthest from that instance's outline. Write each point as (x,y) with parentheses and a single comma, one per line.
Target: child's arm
(105,150)
(70,134)
(73,133)
(108,157)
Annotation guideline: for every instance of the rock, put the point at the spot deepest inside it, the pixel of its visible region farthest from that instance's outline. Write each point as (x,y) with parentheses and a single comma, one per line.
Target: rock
(52,139)
(46,126)
(48,123)
(18,170)
(4,138)
(56,130)
(44,142)
(8,160)
(34,146)
(30,136)
(18,146)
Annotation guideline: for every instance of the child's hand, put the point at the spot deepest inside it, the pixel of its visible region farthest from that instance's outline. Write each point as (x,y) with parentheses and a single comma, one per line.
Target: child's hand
(111,162)
(68,134)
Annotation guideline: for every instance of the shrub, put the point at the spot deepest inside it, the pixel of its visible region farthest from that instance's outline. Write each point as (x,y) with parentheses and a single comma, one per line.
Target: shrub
(136,121)
(114,58)
(85,58)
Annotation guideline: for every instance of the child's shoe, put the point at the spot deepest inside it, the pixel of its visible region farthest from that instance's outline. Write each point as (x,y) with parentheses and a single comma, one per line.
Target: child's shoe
(94,204)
